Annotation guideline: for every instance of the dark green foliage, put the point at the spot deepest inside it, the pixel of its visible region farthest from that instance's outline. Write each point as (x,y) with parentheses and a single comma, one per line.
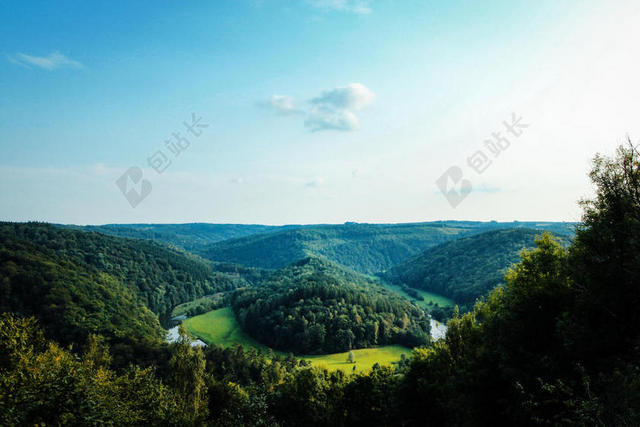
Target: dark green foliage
(43,384)
(314,307)
(71,301)
(467,268)
(370,399)
(366,248)
(560,343)
(605,260)
(158,277)
(412,293)
(309,397)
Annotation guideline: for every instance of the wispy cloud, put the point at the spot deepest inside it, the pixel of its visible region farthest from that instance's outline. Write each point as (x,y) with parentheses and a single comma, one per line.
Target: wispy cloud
(50,62)
(332,110)
(335,109)
(281,104)
(360,7)
(316,182)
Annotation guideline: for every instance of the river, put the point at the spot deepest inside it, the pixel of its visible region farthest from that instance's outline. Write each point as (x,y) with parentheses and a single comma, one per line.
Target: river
(173,336)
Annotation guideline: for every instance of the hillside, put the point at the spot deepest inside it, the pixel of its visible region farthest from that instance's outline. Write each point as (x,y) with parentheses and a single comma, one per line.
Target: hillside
(78,283)
(70,300)
(467,268)
(314,306)
(366,248)
(190,237)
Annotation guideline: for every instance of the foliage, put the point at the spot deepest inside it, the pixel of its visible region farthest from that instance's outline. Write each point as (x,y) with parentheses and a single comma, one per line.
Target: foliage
(187,366)
(366,248)
(200,305)
(190,237)
(351,357)
(314,306)
(560,343)
(468,268)
(71,301)
(43,384)
(220,328)
(63,276)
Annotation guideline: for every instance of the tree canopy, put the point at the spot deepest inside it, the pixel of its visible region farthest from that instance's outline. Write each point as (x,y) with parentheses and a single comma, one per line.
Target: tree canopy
(314,306)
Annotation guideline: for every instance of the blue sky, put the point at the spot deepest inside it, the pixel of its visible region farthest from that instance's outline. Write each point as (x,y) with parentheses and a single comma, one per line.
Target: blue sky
(317,110)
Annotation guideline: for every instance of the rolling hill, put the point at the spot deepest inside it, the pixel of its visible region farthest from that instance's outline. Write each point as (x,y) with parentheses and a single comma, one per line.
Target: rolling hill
(190,237)
(314,307)
(467,268)
(366,248)
(78,282)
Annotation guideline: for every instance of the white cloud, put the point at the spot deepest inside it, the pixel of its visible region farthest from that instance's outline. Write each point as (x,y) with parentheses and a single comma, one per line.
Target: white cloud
(320,118)
(354,96)
(332,110)
(360,7)
(281,104)
(50,62)
(335,109)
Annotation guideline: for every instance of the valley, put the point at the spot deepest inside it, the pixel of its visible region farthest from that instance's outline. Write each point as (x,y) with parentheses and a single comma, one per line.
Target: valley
(219,327)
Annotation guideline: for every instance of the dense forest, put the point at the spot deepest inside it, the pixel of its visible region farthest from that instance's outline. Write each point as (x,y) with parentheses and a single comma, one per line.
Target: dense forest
(78,282)
(366,248)
(558,344)
(468,268)
(314,306)
(70,301)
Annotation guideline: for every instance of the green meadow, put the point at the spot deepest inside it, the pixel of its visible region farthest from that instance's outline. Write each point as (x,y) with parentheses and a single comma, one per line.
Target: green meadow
(365,358)
(430,298)
(219,327)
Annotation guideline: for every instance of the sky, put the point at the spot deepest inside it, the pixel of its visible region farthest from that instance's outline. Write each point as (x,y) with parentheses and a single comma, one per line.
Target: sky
(311,111)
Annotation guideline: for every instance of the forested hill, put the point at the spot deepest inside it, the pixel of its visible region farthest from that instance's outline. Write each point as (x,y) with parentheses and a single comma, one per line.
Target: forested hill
(191,237)
(78,282)
(467,268)
(315,306)
(366,248)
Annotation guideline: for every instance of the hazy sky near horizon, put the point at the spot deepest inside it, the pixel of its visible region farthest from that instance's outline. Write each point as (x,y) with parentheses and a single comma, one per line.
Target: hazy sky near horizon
(317,111)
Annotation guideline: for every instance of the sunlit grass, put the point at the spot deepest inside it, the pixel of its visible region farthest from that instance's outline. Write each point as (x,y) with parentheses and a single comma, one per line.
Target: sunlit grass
(220,327)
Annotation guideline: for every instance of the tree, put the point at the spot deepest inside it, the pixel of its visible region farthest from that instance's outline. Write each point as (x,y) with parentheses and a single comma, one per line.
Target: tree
(44,384)
(605,258)
(188,375)
(351,358)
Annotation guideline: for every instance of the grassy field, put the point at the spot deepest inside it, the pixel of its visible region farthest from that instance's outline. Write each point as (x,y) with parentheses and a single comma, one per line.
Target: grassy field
(430,298)
(220,327)
(365,358)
